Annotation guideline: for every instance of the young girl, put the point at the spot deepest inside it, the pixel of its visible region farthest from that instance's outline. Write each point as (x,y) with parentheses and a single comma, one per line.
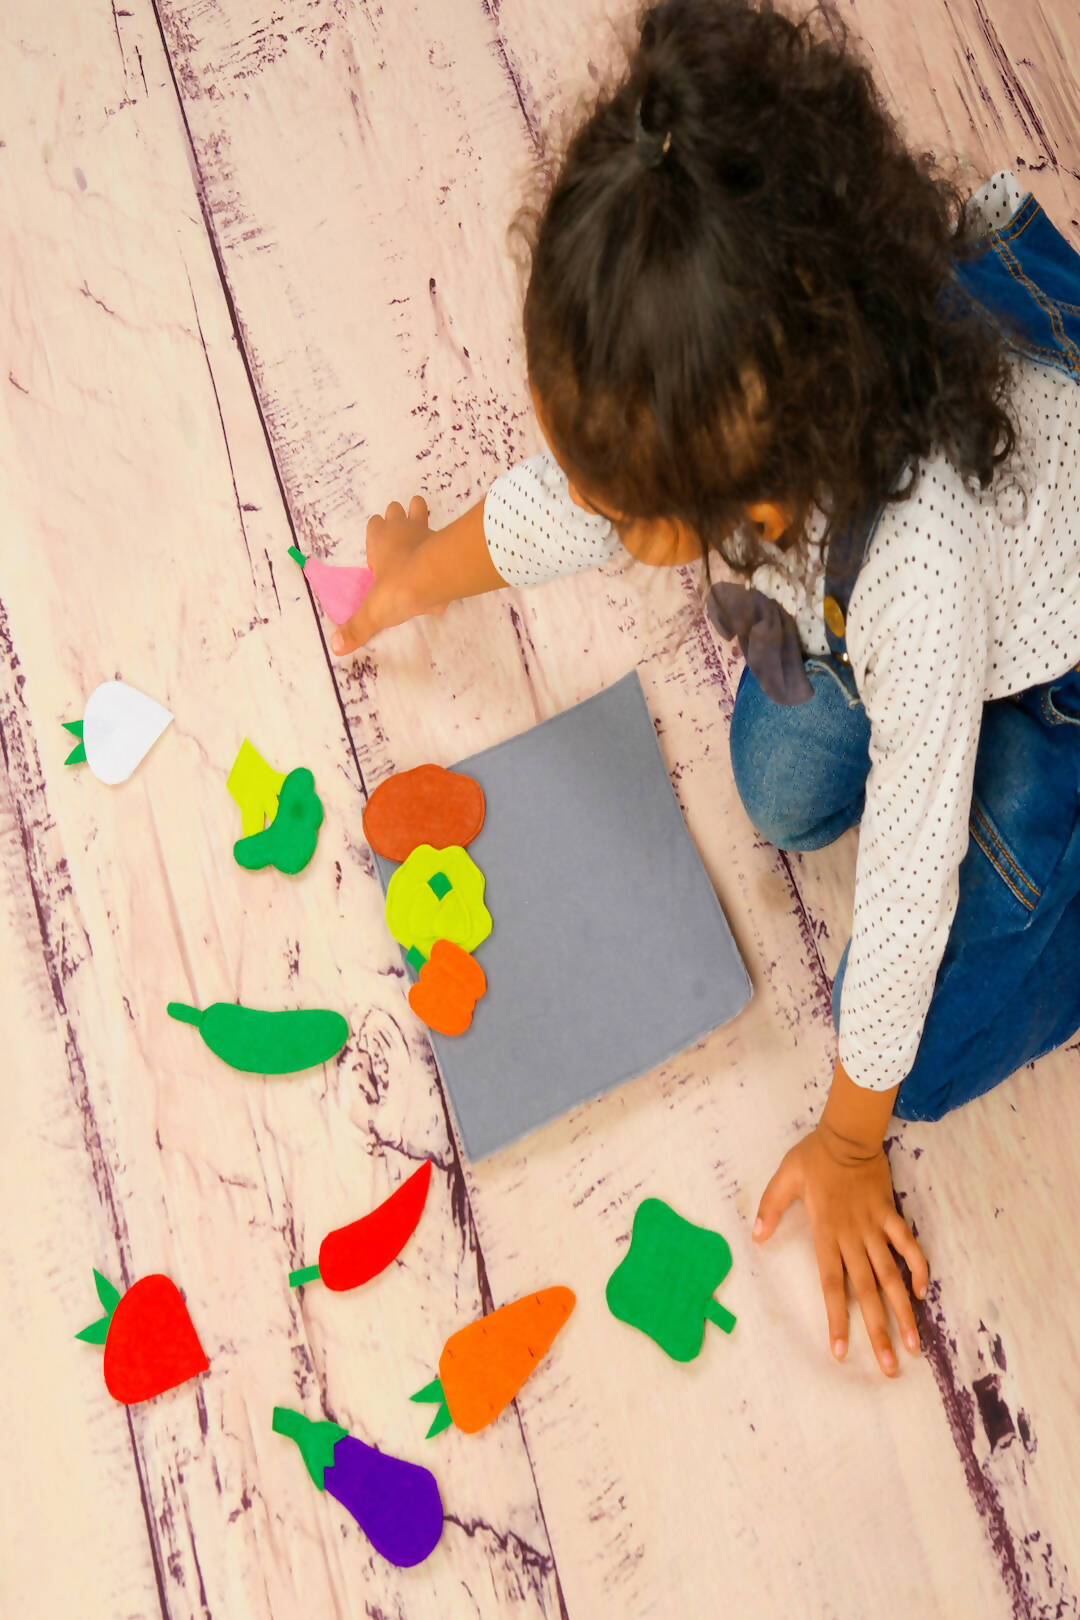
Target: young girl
(758,326)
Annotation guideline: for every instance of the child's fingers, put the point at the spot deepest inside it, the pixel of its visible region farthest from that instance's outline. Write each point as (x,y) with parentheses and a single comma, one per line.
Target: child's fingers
(781,1191)
(892,1284)
(418,509)
(864,1282)
(831,1272)
(394,510)
(904,1242)
(353,634)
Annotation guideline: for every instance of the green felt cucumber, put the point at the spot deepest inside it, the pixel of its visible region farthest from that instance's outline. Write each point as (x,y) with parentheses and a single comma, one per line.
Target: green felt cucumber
(266,1042)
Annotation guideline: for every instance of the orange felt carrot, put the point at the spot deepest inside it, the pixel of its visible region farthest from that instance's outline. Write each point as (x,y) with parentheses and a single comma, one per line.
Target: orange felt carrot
(483,1365)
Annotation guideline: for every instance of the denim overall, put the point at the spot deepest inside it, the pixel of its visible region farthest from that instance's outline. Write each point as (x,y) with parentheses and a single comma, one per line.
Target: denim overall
(1008,989)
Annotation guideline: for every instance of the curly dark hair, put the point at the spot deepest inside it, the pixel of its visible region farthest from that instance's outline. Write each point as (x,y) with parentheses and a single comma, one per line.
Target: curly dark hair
(763,307)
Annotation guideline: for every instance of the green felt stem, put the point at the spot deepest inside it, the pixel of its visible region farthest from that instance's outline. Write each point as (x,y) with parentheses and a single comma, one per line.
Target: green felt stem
(305,1274)
(97,1332)
(185,1014)
(297,556)
(442,1421)
(430,1394)
(316,1440)
(109,1297)
(439,884)
(77,755)
(415,958)
(107,1293)
(718,1315)
(74,726)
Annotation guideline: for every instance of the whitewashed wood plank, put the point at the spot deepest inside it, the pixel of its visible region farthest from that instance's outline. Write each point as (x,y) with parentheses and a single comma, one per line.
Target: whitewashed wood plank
(441,689)
(147,537)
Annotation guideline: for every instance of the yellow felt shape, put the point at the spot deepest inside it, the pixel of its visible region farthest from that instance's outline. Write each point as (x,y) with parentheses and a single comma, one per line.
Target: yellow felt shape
(437,894)
(255,786)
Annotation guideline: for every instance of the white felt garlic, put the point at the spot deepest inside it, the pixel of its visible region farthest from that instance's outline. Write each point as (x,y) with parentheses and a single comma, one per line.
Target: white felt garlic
(119,727)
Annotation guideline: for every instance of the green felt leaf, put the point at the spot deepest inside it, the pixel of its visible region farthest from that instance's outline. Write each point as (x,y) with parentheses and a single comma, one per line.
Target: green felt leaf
(439,884)
(415,958)
(442,1421)
(664,1283)
(108,1295)
(74,726)
(297,556)
(289,841)
(97,1332)
(430,1392)
(77,756)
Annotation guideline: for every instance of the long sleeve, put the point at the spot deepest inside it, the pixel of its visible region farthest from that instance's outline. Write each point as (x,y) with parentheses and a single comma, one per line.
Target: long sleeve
(536,531)
(918,635)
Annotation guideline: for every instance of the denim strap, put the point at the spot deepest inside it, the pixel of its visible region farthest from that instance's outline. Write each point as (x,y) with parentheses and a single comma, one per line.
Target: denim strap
(1026,279)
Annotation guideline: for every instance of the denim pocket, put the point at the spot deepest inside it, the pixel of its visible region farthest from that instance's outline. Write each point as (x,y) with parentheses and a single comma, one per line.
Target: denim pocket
(1056,701)
(987,837)
(1023,816)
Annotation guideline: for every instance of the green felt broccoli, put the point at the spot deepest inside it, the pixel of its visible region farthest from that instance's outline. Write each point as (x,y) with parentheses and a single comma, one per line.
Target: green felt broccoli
(289,841)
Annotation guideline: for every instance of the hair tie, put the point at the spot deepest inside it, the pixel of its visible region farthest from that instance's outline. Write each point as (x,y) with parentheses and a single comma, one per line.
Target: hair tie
(651,147)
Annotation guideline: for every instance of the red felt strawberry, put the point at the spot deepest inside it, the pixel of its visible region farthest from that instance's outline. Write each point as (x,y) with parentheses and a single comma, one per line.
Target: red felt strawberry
(150,1344)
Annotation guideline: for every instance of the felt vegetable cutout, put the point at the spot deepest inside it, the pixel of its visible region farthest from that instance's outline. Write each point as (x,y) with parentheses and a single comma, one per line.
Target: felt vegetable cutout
(150,1344)
(664,1283)
(353,1254)
(437,894)
(289,841)
(428,805)
(451,982)
(483,1366)
(396,1503)
(255,786)
(119,727)
(339,591)
(266,1042)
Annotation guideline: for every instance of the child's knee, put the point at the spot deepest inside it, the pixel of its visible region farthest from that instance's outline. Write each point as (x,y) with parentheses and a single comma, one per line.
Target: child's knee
(769,772)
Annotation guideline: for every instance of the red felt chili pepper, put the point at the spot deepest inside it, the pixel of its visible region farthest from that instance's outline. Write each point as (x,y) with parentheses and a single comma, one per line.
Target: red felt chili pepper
(353,1254)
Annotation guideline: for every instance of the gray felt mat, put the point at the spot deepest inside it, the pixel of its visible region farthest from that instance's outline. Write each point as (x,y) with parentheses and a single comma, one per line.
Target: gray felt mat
(609,951)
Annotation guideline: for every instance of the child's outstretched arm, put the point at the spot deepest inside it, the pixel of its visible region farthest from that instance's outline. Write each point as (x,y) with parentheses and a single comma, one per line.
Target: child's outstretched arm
(418,569)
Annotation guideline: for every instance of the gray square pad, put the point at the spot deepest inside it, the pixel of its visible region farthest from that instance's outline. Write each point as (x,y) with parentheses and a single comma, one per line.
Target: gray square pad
(609,951)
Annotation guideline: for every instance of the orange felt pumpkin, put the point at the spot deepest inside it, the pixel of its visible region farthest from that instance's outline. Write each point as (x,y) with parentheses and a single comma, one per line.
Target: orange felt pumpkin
(451,982)
(428,805)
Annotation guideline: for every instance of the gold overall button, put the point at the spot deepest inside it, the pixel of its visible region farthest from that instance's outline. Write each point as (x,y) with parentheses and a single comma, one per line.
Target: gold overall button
(834,616)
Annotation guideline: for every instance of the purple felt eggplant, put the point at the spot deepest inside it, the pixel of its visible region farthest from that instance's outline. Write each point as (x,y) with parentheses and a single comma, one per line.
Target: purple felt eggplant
(396,1503)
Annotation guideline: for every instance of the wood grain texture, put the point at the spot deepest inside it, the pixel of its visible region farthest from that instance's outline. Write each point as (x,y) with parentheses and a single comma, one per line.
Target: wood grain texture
(259,287)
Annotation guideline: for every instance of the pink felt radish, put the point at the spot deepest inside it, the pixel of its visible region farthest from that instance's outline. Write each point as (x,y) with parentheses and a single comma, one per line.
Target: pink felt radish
(340,591)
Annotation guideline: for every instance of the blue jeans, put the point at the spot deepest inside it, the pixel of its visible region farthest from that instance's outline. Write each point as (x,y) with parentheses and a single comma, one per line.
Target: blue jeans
(1008,989)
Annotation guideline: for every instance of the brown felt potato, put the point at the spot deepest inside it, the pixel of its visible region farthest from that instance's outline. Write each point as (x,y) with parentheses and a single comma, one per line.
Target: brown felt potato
(428,805)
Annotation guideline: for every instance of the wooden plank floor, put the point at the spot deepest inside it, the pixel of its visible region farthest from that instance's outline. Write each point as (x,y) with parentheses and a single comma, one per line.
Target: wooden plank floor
(257,287)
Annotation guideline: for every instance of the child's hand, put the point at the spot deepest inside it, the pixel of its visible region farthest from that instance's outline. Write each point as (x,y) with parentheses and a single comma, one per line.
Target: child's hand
(393,547)
(853,1219)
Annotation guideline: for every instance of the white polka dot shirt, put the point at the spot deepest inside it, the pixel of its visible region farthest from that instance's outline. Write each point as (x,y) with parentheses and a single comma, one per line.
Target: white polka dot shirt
(963,598)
